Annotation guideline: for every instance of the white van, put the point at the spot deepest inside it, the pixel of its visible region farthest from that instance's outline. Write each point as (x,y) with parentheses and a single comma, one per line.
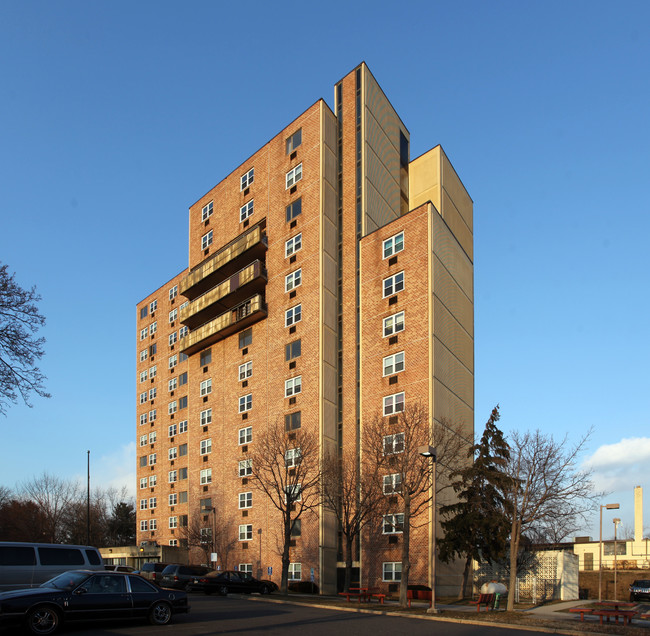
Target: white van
(30,564)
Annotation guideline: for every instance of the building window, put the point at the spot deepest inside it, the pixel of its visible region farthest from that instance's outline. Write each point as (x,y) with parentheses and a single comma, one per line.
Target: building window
(143,483)
(292,421)
(206,476)
(152,372)
(246,532)
(144,525)
(152,459)
(295,571)
(296,528)
(183,331)
(172,430)
(182,426)
(246,179)
(172,476)
(143,376)
(172,384)
(206,387)
(292,457)
(173,361)
(245,338)
(173,522)
(153,327)
(173,292)
(206,211)
(182,496)
(173,338)
(182,450)
(293,386)
(182,474)
(394,363)
(182,378)
(245,370)
(206,240)
(205,505)
(393,284)
(392,571)
(206,446)
(392,483)
(394,403)
(293,280)
(393,324)
(173,543)
(246,568)
(246,403)
(143,440)
(152,437)
(245,500)
(143,504)
(152,393)
(245,435)
(294,209)
(172,452)
(152,481)
(293,315)
(293,176)
(143,419)
(182,403)
(173,314)
(152,349)
(205,357)
(292,350)
(206,417)
(144,333)
(393,245)
(144,311)
(152,415)
(143,355)
(293,245)
(143,397)
(393,444)
(173,499)
(153,524)
(245,467)
(293,492)
(245,211)
(152,502)
(172,407)
(143,461)
(294,141)
(153,305)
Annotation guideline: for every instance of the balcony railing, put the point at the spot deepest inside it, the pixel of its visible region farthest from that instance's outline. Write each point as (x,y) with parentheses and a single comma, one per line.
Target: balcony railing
(229,322)
(225,262)
(226,294)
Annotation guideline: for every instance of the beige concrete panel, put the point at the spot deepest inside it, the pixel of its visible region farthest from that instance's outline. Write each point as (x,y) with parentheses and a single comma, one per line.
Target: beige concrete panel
(451,334)
(329,346)
(382,179)
(329,169)
(329,420)
(330,383)
(450,254)
(456,190)
(329,308)
(329,238)
(382,110)
(379,210)
(329,274)
(448,370)
(330,202)
(424,179)
(370,226)
(377,139)
(457,225)
(330,130)
(455,300)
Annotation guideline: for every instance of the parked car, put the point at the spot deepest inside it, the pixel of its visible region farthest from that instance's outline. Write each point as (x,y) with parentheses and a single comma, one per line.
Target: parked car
(153,571)
(230,581)
(25,565)
(119,568)
(640,590)
(80,595)
(180,577)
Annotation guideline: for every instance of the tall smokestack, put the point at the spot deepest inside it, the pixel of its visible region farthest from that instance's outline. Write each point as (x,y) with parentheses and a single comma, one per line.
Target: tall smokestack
(638,513)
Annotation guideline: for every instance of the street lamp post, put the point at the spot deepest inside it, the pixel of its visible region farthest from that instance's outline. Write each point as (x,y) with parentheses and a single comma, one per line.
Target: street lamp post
(612,506)
(430,452)
(616,522)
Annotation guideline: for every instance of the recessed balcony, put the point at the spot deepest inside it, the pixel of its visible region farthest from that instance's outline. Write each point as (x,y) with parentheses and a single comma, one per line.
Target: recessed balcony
(227,323)
(228,260)
(225,295)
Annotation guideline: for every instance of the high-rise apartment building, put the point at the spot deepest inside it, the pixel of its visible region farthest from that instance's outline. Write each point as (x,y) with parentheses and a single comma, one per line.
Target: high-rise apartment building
(330,278)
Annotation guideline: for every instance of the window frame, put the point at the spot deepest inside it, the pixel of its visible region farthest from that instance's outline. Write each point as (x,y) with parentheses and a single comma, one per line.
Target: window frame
(388,245)
(392,330)
(206,211)
(291,144)
(290,315)
(245,370)
(246,210)
(290,245)
(293,280)
(246,532)
(391,362)
(245,500)
(205,388)
(394,571)
(392,285)
(293,386)
(245,435)
(293,176)
(391,402)
(392,484)
(245,403)
(207,239)
(293,210)
(246,179)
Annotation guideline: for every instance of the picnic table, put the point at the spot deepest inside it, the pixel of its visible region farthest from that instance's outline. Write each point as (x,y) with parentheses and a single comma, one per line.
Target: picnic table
(363,594)
(582,610)
(626,615)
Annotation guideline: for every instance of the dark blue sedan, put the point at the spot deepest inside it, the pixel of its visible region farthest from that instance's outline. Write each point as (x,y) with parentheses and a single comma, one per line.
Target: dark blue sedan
(80,595)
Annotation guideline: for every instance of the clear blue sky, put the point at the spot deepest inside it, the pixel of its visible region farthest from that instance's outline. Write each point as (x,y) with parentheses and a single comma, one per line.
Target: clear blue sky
(116,116)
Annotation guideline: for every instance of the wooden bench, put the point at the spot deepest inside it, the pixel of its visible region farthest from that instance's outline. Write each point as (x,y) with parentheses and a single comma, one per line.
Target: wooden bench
(379,597)
(484,599)
(418,595)
(582,610)
(627,615)
(349,595)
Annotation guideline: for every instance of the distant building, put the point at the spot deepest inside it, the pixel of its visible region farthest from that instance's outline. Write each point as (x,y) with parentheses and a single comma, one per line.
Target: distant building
(330,278)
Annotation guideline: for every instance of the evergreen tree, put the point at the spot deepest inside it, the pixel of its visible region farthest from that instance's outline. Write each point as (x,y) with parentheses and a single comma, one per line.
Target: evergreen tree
(477,527)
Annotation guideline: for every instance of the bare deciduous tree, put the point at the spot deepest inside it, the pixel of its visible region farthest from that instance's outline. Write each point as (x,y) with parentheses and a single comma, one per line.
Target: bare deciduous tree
(355,497)
(286,469)
(19,349)
(393,445)
(547,489)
